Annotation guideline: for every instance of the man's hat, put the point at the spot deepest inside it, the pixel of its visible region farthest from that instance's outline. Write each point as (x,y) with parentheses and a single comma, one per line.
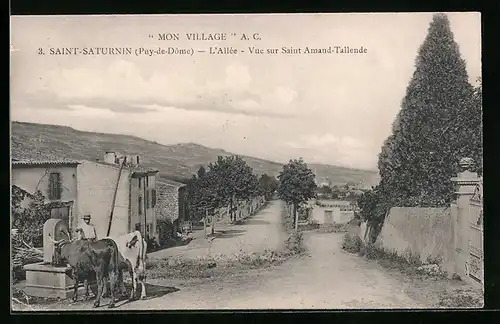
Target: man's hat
(86,217)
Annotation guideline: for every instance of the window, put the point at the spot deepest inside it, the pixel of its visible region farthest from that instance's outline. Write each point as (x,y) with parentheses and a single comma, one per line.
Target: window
(54,186)
(140,205)
(60,213)
(150,229)
(152,181)
(140,183)
(153,198)
(148,199)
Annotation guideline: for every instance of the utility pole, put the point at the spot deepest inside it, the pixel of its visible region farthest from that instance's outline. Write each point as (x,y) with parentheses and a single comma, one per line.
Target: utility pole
(213,222)
(296,217)
(205,223)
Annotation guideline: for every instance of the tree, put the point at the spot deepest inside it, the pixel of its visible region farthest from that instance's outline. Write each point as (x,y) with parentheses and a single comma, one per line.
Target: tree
(296,185)
(325,190)
(268,185)
(476,127)
(30,220)
(436,126)
(202,194)
(235,181)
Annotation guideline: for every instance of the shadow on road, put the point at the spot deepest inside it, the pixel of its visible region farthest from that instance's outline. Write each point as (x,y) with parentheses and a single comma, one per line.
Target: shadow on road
(153,291)
(229,233)
(255,222)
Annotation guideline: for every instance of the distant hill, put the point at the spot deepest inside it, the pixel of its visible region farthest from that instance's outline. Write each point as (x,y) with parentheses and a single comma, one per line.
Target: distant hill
(175,162)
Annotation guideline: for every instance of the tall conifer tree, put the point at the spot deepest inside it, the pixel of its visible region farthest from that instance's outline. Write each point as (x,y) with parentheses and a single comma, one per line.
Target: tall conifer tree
(437,125)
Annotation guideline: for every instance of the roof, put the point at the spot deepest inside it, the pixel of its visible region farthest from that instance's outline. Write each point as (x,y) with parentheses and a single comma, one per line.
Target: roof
(134,168)
(42,163)
(328,202)
(172,183)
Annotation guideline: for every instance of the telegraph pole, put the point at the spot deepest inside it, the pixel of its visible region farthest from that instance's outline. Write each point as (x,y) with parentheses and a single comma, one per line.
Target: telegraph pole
(205,223)
(296,217)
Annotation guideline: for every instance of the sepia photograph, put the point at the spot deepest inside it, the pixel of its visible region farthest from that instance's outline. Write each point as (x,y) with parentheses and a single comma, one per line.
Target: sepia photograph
(246,161)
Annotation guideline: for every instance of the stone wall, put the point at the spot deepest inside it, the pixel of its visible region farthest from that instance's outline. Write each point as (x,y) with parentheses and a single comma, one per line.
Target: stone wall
(441,235)
(167,201)
(426,233)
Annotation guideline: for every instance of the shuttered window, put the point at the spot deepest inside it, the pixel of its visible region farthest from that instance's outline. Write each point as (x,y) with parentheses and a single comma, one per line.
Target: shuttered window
(140,205)
(54,186)
(153,198)
(148,199)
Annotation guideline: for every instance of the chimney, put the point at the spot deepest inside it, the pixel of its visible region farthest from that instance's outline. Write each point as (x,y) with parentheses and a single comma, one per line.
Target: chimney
(133,159)
(110,157)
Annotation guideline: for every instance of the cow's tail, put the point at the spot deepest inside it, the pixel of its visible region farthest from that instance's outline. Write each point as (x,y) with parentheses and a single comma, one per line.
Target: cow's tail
(144,247)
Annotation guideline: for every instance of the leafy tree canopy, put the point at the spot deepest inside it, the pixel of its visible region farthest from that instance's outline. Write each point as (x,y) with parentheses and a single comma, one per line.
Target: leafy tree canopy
(297,183)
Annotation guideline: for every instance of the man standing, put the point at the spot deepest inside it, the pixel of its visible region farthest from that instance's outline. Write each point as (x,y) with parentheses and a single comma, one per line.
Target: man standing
(87,230)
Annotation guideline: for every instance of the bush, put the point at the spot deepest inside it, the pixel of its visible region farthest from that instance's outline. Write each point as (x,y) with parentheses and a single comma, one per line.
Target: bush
(30,220)
(166,230)
(351,244)
(333,228)
(371,252)
(294,243)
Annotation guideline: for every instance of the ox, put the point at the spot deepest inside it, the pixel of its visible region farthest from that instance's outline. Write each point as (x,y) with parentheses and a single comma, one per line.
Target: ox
(132,247)
(101,258)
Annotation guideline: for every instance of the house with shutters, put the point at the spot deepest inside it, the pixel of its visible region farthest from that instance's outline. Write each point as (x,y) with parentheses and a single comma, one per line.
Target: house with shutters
(56,180)
(119,193)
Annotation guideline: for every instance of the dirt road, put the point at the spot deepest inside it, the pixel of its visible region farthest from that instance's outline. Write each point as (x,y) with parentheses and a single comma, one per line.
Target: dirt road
(261,231)
(327,278)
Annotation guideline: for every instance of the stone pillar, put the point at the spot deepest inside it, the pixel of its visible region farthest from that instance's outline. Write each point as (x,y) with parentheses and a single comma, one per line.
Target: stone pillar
(54,228)
(465,184)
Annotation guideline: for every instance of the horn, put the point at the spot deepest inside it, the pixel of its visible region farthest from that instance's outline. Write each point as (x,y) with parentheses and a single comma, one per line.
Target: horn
(65,231)
(54,241)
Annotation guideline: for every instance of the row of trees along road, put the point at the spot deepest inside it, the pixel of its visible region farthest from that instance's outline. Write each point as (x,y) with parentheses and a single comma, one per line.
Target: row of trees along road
(230,180)
(225,183)
(439,123)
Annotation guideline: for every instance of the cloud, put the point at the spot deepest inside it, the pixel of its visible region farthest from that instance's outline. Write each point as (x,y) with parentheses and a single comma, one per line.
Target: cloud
(343,150)
(122,88)
(49,100)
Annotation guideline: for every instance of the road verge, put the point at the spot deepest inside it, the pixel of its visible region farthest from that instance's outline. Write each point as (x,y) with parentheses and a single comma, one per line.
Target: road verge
(425,281)
(222,264)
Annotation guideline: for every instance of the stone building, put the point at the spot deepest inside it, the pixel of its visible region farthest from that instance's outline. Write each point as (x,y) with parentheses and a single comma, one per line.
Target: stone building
(171,202)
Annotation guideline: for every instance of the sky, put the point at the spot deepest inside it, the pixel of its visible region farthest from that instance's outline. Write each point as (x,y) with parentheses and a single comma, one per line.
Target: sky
(333,109)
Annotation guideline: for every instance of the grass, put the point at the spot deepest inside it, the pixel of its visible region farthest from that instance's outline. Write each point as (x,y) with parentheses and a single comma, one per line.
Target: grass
(464,297)
(207,267)
(351,243)
(408,264)
(219,265)
(333,228)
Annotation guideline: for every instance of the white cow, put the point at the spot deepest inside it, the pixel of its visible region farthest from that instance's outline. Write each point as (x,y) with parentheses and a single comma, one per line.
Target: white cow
(132,247)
